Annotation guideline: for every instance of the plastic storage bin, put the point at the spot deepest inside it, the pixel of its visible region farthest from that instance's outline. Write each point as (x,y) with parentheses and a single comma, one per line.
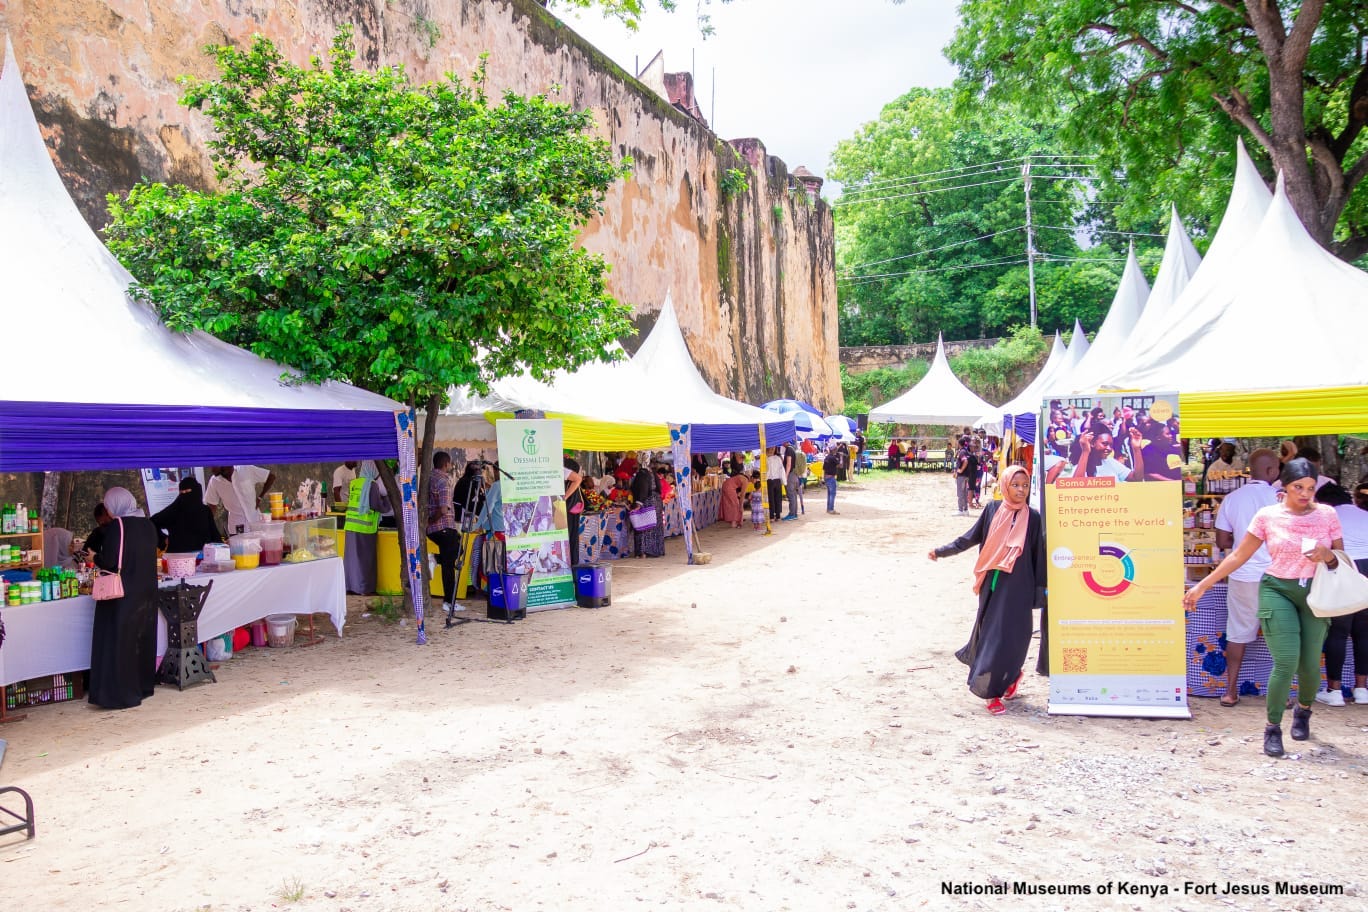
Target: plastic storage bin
(280,630)
(179,565)
(246,550)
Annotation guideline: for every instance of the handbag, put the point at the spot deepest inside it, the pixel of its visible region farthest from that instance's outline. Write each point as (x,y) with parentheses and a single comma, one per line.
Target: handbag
(109,585)
(1340,591)
(642,518)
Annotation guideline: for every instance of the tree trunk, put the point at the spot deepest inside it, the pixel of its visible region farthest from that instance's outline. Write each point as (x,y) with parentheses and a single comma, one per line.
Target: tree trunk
(1309,179)
(52,483)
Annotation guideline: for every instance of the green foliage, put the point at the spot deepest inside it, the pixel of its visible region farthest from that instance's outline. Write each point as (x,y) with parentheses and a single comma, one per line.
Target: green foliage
(999,373)
(1160,89)
(996,374)
(866,390)
(378,232)
(734,182)
(387,608)
(931,226)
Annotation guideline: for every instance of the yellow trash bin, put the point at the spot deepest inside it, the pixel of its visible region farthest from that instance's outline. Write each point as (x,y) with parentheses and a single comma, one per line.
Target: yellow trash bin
(390,564)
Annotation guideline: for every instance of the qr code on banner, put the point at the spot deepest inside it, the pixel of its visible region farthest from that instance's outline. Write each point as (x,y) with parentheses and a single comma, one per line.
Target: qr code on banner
(1075,660)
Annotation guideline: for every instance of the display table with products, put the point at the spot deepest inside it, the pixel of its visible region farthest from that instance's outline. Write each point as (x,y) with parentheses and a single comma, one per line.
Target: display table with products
(607,535)
(54,637)
(1206,661)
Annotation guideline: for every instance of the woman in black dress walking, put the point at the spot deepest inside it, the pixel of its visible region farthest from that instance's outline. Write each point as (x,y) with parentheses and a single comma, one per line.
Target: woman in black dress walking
(123,647)
(1009,579)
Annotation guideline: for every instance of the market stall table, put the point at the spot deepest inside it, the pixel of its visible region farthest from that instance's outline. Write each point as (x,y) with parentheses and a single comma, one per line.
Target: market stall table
(54,637)
(1206,662)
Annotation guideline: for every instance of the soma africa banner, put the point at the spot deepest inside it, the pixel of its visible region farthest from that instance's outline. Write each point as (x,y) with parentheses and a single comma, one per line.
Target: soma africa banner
(535,520)
(1112,470)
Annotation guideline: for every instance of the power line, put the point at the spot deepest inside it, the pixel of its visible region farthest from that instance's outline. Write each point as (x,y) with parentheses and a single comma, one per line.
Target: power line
(867,279)
(866,187)
(935,249)
(1101,231)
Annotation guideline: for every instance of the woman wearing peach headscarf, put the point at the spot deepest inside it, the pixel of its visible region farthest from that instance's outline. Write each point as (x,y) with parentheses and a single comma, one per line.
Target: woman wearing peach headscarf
(1009,579)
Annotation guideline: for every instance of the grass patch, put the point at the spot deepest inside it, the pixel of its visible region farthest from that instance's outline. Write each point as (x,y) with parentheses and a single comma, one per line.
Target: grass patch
(387,608)
(291,891)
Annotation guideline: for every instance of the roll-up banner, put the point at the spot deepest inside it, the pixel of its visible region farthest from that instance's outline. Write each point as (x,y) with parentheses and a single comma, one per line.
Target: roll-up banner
(1113,513)
(534,509)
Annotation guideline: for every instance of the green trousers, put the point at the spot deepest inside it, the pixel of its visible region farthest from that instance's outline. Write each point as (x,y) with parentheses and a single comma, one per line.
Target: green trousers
(1295,637)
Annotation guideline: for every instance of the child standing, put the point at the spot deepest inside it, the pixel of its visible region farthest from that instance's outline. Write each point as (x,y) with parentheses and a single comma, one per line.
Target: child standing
(757,504)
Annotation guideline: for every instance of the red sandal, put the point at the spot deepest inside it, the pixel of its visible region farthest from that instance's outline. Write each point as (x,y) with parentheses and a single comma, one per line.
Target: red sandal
(1011,692)
(996,707)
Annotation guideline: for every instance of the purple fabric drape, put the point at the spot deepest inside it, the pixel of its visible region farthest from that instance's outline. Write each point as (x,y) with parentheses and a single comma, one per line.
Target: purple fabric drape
(61,436)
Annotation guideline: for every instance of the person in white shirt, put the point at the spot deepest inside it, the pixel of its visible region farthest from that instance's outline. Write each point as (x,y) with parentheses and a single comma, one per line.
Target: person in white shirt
(343,476)
(774,482)
(1227,459)
(1242,587)
(235,489)
(1353,517)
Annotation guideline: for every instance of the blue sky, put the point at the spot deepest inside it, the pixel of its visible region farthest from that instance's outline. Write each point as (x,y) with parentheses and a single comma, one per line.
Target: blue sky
(800,74)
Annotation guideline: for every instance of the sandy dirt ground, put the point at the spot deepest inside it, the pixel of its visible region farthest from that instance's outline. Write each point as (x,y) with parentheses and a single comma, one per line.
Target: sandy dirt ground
(784,728)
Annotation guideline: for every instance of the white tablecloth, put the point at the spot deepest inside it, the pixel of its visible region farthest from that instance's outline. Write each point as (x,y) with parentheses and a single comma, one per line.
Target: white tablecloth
(54,637)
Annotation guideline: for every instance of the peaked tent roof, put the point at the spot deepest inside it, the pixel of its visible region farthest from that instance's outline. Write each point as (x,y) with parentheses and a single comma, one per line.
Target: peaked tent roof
(1233,368)
(625,404)
(1028,400)
(1244,213)
(1109,345)
(675,389)
(1176,269)
(939,398)
(147,396)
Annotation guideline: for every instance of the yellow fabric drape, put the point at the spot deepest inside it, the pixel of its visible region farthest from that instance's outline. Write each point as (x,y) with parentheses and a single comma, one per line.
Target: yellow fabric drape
(581,433)
(1274,413)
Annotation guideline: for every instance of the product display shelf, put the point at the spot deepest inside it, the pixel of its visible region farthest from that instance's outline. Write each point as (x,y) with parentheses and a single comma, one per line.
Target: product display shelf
(27,541)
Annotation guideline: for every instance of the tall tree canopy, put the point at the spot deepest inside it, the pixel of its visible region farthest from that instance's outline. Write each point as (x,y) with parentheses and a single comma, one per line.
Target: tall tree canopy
(1160,88)
(931,226)
(403,238)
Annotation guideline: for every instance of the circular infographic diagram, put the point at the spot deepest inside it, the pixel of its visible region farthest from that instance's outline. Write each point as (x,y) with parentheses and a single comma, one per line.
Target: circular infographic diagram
(1112,589)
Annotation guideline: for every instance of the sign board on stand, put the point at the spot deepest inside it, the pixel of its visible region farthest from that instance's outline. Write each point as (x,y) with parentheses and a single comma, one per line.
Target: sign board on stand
(1113,518)
(535,518)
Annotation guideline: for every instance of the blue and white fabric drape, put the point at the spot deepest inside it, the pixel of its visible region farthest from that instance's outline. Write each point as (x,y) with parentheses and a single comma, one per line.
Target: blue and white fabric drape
(680,449)
(408,508)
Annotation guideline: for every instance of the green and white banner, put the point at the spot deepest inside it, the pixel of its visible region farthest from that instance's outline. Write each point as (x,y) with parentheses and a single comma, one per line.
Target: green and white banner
(535,519)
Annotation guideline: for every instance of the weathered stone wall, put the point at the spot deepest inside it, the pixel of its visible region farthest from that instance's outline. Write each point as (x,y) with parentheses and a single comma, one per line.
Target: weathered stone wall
(860,358)
(751,275)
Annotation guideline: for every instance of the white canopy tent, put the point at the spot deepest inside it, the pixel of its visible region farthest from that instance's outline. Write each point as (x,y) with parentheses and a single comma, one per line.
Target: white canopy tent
(939,398)
(1109,345)
(136,377)
(1233,362)
(1176,270)
(1028,400)
(1244,213)
(625,404)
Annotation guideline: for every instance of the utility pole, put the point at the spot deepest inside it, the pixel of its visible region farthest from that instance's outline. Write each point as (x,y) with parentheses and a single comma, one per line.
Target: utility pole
(1030,238)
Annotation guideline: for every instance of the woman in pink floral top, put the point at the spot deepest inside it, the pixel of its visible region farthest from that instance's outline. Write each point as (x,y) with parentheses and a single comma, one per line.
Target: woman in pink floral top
(1299,533)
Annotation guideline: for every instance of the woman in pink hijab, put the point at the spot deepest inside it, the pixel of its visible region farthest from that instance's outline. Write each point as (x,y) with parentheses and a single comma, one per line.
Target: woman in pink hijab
(1009,579)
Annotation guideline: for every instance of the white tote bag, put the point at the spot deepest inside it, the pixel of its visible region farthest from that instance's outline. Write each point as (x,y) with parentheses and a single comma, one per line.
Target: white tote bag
(1342,590)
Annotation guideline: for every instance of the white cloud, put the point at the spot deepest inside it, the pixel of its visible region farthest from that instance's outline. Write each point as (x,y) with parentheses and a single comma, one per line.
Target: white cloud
(799,74)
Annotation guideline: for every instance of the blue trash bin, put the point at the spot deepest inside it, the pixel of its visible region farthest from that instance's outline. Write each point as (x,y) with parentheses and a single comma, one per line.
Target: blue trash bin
(508,596)
(594,585)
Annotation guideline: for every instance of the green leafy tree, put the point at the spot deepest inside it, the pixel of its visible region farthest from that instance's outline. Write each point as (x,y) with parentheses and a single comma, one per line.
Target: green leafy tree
(1160,88)
(931,225)
(402,238)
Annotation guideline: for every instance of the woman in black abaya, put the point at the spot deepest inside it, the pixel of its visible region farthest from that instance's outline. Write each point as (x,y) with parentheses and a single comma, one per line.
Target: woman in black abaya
(123,647)
(1009,581)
